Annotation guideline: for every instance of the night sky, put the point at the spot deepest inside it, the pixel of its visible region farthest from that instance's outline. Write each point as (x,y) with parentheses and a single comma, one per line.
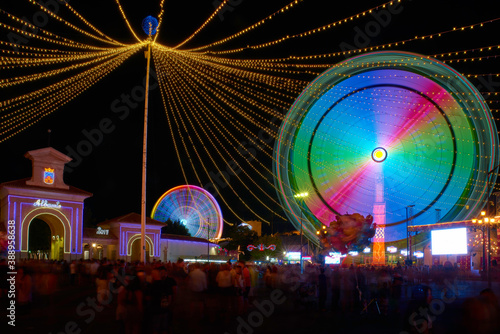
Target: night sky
(112,168)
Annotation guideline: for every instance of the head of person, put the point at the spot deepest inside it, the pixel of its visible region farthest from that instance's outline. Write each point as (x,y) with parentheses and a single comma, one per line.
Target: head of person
(489,296)
(155,274)
(163,271)
(422,293)
(132,283)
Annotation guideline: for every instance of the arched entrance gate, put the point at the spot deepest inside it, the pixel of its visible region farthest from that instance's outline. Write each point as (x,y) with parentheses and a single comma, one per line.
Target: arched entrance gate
(45,197)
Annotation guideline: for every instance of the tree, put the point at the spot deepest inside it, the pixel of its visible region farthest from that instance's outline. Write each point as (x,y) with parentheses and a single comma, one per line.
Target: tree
(267,240)
(242,236)
(175,227)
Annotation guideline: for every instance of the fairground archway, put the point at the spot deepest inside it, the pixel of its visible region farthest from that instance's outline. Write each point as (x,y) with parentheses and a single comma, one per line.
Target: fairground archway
(44,196)
(135,249)
(39,243)
(57,233)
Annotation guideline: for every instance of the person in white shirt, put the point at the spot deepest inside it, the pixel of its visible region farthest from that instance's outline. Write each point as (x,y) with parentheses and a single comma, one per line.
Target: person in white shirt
(197,279)
(94,267)
(197,284)
(224,281)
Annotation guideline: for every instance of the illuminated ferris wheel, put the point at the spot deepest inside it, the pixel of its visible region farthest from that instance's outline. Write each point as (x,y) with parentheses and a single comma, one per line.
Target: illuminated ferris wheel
(383,132)
(192,206)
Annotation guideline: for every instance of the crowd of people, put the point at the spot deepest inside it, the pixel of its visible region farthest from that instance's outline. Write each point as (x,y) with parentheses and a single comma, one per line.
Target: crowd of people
(155,297)
(145,297)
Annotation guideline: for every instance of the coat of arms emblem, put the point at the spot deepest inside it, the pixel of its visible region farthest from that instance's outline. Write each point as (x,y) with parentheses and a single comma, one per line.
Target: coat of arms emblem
(48,176)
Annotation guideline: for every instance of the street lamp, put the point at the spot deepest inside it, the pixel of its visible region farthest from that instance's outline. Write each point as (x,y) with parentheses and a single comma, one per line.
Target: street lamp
(486,227)
(208,240)
(301,197)
(408,246)
(485,248)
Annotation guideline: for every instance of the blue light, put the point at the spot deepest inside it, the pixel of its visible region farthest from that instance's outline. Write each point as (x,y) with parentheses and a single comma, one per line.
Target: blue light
(149,25)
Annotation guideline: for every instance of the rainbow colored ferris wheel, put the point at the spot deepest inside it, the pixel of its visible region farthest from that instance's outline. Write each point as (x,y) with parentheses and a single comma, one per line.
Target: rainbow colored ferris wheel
(192,206)
(381,133)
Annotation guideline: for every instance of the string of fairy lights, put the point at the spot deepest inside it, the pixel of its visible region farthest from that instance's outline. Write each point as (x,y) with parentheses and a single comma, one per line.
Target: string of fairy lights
(476,241)
(223,108)
(193,107)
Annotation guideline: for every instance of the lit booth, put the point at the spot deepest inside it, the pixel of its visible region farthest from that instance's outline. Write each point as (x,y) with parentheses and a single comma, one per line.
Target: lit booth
(120,238)
(99,243)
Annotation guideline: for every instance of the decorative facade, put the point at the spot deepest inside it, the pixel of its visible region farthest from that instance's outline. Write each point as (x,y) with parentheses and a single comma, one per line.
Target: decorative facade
(46,197)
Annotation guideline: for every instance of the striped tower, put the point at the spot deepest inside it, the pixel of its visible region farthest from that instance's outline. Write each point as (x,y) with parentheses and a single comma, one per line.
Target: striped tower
(379,219)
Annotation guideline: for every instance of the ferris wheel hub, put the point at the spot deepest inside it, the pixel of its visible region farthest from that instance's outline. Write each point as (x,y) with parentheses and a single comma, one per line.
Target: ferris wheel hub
(379,154)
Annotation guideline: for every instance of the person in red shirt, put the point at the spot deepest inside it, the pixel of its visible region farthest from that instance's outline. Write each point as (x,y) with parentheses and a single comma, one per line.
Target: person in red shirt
(247,283)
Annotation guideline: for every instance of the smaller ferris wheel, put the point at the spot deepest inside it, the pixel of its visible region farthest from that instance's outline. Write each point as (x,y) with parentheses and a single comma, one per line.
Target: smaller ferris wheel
(192,206)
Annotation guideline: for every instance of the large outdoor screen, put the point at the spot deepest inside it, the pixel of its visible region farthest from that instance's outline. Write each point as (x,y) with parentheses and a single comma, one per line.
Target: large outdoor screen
(334,258)
(450,241)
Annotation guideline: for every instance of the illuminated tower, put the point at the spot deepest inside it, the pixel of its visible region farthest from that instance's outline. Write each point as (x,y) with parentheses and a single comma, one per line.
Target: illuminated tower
(379,219)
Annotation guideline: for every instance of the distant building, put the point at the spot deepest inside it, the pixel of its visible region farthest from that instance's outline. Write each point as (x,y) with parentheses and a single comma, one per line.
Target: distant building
(119,238)
(254,225)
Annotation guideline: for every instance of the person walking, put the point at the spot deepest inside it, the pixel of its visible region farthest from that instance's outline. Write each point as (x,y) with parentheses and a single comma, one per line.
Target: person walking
(239,285)
(197,286)
(322,290)
(225,292)
(129,310)
(24,287)
(161,294)
(247,283)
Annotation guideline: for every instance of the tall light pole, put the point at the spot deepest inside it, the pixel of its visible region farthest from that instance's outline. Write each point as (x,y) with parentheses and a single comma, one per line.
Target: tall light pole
(208,240)
(483,228)
(408,246)
(489,221)
(149,25)
(489,228)
(301,197)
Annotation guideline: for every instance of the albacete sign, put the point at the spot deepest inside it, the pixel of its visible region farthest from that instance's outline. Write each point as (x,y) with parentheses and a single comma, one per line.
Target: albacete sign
(45,204)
